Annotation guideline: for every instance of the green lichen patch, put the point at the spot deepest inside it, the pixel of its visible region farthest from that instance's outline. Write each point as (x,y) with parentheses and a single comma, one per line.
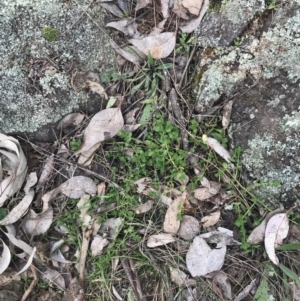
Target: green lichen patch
(50,34)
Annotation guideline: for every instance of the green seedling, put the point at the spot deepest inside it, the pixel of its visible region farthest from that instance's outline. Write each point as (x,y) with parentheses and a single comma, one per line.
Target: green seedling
(184,44)
(75,144)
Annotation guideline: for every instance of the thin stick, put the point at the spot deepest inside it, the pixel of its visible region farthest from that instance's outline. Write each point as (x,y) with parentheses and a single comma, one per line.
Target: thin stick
(32,284)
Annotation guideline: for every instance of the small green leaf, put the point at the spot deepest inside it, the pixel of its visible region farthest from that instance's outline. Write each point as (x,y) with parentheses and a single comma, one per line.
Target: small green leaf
(147,112)
(111,102)
(165,66)
(137,87)
(290,274)
(148,100)
(262,291)
(289,247)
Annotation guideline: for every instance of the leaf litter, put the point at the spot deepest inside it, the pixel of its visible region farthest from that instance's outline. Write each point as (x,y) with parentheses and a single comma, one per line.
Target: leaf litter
(205,255)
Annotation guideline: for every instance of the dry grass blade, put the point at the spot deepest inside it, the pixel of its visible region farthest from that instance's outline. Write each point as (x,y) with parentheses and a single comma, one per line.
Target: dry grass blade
(133,279)
(32,284)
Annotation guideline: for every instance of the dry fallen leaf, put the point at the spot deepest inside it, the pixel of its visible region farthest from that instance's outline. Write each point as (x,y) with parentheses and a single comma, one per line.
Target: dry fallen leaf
(227,114)
(171,222)
(74,188)
(222,283)
(104,125)
(111,228)
(191,25)
(189,227)
(5,257)
(52,276)
(160,45)
(201,259)
(143,208)
(17,212)
(141,4)
(258,234)
(246,291)
(202,194)
(181,279)
(98,244)
(276,231)
(211,219)
(12,160)
(128,27)
(70,121)
(129,53)
(159,240)
(192,6)
(217,147)
(37,224)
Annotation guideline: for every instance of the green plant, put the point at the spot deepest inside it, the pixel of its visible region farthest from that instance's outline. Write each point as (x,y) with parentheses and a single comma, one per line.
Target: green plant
(237,41)
(75,144)
(185,43)
(150,76)
(50,34)
(272,5)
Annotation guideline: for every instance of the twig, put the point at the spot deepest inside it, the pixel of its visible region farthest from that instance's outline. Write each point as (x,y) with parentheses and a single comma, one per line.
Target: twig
(86,235)
(32,284)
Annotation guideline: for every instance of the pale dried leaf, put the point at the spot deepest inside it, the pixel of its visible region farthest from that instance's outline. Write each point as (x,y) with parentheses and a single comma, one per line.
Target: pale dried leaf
(5,257)
(193,24)
(213,236)
(295,291)
(98,244)
(52,276)
(202,194)
(211,219)
(30,182)
(130,117)
(86,158)
(104,125)
(159,240)
(143,208)
(37,224)
(59,257)
(129,54)
(189,227)
(96,88)
(141,4)
(18,211)
(128,27)
(116,294)
(165,8)
(17,160)
(111,228)
(144,186)
(70,121)
(159,46)
(73,188)
(21,244)
(131,127)
(112,8)
(201,259)
(179,10)
(276,231)
(227,114)
(191,5)
(258,234)
(180,278)
(217,147)
(171,222)
(84,206)
(222,282)
(246,291)
(28,263)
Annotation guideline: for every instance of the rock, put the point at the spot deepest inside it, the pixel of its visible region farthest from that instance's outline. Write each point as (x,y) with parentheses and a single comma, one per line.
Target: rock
(189,227)
(221,28)
(263,73)
(41,42)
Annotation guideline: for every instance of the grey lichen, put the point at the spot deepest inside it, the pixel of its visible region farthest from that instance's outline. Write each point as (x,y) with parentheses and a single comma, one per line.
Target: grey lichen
(240,10)
(26,105)
(277,51)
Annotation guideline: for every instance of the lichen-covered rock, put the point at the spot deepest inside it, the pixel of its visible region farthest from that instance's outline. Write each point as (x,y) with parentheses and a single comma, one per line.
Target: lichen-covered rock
(221,28)
(262,76)
(40,43)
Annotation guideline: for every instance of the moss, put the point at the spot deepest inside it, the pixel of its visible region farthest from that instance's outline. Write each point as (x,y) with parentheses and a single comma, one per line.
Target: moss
(50,34)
